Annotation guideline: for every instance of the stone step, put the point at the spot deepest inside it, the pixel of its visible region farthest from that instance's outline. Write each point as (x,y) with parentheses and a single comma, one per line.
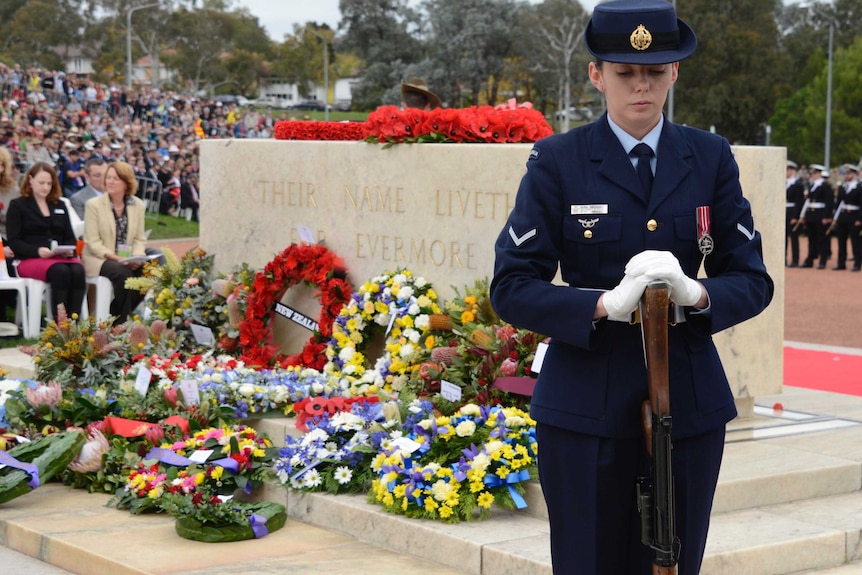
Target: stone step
(804,536)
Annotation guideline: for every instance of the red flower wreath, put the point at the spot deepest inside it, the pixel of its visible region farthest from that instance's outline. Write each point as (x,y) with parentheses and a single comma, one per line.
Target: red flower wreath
(313,264)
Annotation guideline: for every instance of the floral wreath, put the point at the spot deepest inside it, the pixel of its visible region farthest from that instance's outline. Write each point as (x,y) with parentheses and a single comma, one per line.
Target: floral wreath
(396,304)
(313,264)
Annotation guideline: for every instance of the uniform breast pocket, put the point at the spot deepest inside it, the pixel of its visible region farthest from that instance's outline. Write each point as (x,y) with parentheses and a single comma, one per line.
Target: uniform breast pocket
(685,239)
(594,239)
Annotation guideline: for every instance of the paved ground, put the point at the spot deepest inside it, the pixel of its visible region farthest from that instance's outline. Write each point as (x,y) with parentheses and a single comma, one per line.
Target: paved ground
(823,306)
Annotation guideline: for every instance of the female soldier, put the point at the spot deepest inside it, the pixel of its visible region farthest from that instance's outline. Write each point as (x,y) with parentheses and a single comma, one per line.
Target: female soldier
(588,203)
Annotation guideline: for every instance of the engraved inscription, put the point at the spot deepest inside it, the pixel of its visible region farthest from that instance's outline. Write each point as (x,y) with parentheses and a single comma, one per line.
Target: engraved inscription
(401,250)
(290,194)
(375,199)
(476,205)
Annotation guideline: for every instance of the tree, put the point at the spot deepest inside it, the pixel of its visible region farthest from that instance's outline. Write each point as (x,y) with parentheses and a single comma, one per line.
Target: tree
(471,42)
(385,34)
(212,48)
(737,73)
(799,122)
(561,29)
(37,27)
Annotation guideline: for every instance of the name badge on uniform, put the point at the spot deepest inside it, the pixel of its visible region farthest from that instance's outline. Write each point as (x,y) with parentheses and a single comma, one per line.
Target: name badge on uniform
(589,209)
(59,211)
(704,240)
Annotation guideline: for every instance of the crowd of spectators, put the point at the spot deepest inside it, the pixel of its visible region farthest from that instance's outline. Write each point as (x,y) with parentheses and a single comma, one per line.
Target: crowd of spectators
(65,119)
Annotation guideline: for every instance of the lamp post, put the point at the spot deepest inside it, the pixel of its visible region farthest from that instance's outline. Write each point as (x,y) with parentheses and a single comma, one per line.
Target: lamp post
(670,92)
(129,40)
(828,136)
(325,74)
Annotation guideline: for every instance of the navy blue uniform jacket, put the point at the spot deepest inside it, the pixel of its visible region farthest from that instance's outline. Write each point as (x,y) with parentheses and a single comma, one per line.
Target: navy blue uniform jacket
(593,379)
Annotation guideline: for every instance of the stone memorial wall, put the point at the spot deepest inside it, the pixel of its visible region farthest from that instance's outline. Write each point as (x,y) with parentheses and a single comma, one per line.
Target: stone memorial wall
(436,209)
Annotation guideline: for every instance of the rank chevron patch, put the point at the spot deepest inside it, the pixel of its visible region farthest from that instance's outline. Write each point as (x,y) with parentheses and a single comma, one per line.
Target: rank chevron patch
(520,240)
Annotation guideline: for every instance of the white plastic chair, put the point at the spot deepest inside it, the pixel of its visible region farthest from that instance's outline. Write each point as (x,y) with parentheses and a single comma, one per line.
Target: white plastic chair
(74,219)
(104,296)
(37,291)
(22,315)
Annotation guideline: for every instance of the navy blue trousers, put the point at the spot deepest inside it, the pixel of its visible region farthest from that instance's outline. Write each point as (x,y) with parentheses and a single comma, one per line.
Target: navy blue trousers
(589,484)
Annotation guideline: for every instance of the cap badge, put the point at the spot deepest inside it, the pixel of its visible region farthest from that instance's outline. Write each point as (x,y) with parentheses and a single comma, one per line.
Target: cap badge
(640,38)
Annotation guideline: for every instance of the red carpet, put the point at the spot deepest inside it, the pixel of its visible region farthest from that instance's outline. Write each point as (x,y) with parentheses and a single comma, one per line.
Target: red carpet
(823,371)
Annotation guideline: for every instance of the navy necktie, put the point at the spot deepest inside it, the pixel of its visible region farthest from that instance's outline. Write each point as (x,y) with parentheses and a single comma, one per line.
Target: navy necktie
(644,154)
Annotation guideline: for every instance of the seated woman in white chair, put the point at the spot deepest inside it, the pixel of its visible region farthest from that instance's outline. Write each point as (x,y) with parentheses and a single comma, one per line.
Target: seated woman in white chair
(112,221)
(41,237)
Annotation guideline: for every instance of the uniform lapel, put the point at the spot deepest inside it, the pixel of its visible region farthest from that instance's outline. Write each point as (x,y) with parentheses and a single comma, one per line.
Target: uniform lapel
(614,164)
(672,166)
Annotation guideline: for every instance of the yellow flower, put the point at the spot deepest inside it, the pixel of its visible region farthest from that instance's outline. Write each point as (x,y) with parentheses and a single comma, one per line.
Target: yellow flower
(485,500)
(470,300)
(429,342)
(178,311)
(217,472)
(467,316)
(445,512)
(74,316)
(49,345)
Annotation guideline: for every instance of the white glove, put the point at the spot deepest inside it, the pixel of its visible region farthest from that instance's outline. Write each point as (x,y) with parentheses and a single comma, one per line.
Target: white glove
(658,265)
(621,301)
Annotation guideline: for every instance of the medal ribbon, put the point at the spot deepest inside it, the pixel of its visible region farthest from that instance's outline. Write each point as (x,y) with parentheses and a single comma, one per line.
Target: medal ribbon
(702,221)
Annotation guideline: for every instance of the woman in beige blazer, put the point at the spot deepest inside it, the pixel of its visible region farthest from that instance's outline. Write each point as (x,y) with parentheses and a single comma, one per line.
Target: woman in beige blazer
(112,219)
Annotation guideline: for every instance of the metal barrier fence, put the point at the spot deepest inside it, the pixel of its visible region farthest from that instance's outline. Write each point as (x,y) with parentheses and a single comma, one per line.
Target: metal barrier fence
(150,191)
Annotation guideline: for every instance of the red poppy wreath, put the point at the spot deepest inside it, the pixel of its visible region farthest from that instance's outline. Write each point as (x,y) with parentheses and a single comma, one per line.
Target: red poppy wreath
(314,265)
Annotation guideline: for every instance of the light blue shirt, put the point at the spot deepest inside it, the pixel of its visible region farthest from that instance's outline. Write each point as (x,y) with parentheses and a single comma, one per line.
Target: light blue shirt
(629,142)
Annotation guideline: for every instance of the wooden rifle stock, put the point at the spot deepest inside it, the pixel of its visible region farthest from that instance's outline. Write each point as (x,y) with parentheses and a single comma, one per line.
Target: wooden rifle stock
(656,492)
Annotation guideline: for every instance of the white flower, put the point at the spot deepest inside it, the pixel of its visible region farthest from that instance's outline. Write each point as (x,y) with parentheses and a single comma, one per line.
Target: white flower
(471,409)
(413,309)
(343,475)
(480,462)
(399,279)
(346,354)
(412,335)
(422,322)
(246,390)
(311,478)
(407,350)
(297,483)
(349,369)
(316,434)
(420,282)
(440,490)
(317,388)
(405,294)
(425,424)
(382,319)
(465,428)
(515,421)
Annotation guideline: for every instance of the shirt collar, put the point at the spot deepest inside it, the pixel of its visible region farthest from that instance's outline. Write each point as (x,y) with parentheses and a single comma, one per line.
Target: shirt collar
(629,142)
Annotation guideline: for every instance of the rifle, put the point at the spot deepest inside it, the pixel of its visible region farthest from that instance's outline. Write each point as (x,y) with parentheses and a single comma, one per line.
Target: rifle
(801,214)
(656,492)
(835,218)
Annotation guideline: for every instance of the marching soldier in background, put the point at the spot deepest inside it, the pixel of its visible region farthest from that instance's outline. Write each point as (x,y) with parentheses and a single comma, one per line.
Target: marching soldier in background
(795,198)
(846,221)
(817,215)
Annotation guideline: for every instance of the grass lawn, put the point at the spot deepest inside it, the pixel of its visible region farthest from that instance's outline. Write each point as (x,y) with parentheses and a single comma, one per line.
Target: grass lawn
(170,227)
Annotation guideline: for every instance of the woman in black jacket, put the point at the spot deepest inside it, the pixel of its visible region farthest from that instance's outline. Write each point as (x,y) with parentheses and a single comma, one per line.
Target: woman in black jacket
(41,236)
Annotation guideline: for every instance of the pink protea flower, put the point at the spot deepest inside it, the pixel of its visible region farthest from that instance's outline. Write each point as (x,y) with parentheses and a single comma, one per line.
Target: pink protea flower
(234,314)
(444,355)
(100,340)
(89,460)
(509,367)
(157,327)
(192,282)
(171,395)
(154,435)
(48,394)
(138,336)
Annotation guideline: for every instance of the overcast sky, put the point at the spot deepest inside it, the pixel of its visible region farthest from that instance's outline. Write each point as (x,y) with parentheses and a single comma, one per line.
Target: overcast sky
(279,16)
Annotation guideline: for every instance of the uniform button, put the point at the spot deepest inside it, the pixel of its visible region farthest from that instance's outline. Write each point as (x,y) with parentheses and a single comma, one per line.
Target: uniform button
(652,225)
(588,234)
